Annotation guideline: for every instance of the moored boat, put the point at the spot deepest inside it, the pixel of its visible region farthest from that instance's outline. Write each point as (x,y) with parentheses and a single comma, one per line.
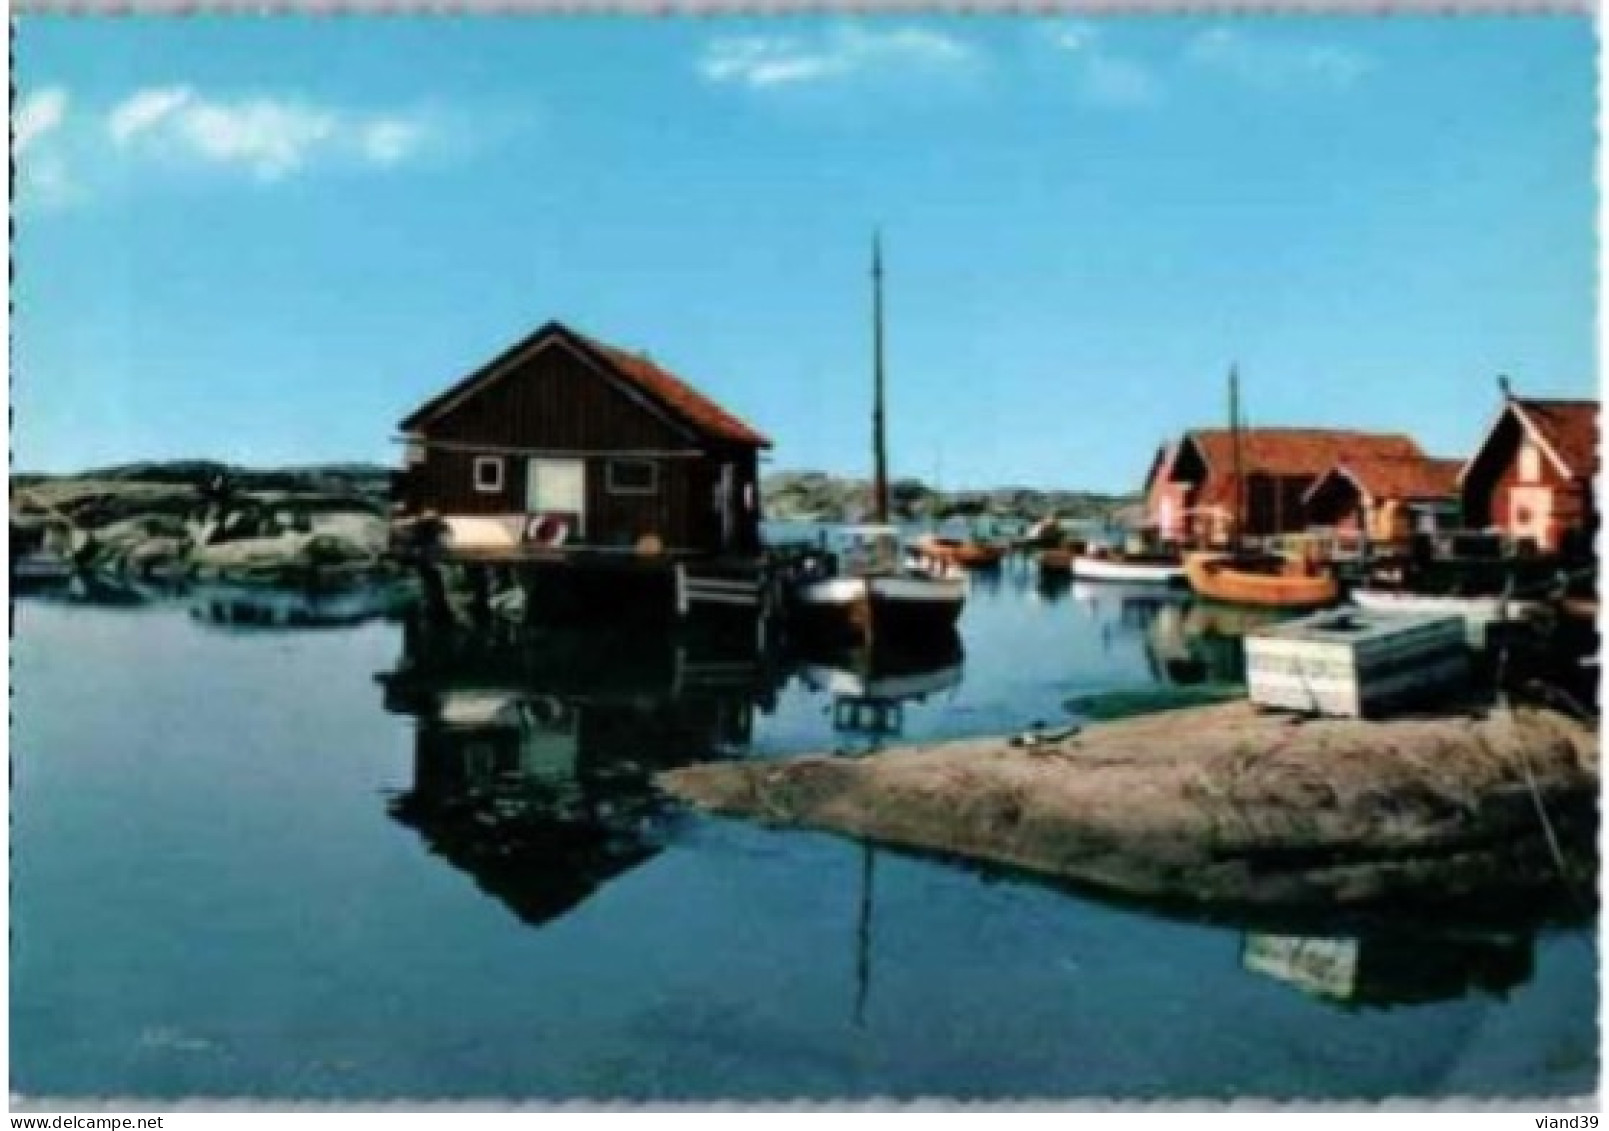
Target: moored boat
(1144,569)
(1478,612)
(963,553)
(866,593)
(866,597)
(1267,582)
(1057,560)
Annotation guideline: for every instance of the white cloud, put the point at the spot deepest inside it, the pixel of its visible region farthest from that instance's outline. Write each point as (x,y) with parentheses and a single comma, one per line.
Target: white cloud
(269,137)
(43,179)
(36,116)
(143,111)
(1273,64)
(392,140)
(1105,78)
(778,60)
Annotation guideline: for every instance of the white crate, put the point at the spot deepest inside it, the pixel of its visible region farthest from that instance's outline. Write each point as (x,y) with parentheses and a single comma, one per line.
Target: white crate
(1354,663)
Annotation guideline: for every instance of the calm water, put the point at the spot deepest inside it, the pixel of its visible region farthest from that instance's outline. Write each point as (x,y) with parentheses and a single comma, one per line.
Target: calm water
(259,856)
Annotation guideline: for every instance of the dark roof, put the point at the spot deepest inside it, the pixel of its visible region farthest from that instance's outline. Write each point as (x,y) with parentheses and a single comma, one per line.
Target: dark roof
(672,395)
(1570,428)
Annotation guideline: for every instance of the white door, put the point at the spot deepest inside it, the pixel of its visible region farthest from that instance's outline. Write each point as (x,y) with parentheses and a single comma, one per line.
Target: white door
(1530,510)
(557,486)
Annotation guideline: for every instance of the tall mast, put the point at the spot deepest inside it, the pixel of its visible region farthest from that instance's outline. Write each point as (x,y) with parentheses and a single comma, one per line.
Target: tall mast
(879,452)
(1234,432)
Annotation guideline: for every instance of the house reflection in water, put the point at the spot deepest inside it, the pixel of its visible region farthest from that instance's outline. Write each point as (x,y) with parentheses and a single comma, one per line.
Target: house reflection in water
(1199,642)
(535,753)
(1386,969)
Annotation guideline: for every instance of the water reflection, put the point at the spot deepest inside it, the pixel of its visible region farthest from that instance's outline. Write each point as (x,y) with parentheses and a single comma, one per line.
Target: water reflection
(869,690)
(260,607)
(535,752)
(1403,967)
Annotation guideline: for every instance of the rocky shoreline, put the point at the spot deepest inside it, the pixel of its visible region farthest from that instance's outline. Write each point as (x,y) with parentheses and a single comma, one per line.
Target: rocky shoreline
(1220,806)
(202,521)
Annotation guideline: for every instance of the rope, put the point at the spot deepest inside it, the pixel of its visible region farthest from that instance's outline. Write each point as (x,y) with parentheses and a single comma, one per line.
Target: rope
(1554,848)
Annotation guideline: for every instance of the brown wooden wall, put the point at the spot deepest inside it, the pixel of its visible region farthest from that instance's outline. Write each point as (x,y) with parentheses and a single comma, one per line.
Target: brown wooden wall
(557,404)
(557,401)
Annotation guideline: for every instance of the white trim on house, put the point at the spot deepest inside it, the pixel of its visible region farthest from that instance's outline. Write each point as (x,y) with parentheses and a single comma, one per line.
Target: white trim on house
(482,463)
(1531,430)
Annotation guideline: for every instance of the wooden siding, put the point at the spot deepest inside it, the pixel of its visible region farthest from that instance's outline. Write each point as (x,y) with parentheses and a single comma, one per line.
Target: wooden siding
(681,511)
(556,403)
(1495,473)
(556,400)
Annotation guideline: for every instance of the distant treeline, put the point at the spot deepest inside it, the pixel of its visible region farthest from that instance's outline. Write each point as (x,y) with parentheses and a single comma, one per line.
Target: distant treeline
(366,479)
(823,497)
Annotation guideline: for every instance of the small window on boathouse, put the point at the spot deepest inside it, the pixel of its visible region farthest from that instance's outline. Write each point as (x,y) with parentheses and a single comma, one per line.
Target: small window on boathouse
(633,477)
(488,473)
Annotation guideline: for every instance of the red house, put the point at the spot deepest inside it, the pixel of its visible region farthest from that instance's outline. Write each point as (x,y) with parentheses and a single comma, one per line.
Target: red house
(1532,477)
(564,439)
(1387,500)
(1192,492)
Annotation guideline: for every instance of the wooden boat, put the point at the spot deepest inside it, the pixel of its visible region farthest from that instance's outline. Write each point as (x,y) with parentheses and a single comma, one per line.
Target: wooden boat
(1057,560)
(867,597)
(1142,569)
(1270,581)
(964,554)
(868,593)
(1267,582)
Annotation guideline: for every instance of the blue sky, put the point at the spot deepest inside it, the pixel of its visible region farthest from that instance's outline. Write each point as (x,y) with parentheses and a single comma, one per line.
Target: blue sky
(265,240)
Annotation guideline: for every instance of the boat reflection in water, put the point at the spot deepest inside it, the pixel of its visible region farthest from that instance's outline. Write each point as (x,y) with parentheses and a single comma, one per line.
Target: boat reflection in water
(1198,642)
(1393,968)
(869,691)
(535,752)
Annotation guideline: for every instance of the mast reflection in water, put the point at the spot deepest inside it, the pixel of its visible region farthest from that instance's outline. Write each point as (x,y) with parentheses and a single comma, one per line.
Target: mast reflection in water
(869,690)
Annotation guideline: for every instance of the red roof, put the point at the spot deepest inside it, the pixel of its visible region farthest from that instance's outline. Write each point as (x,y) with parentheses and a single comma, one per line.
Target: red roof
(677,395)
(1399,478)
(1289,452)
(665,390)
(1296,451)
(1570,428)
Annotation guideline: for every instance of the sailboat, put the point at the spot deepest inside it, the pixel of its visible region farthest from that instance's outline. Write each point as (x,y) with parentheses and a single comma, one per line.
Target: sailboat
(1266,580)
(867,592)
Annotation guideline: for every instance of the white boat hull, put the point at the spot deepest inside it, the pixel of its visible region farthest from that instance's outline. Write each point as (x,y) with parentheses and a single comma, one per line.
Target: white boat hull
(1138,573)
(1478,612)
(886,608)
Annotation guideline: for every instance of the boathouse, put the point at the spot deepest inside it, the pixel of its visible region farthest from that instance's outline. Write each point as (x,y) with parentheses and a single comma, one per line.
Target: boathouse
(1192,492)
(1386,500)
(564,441)
(1532,476)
